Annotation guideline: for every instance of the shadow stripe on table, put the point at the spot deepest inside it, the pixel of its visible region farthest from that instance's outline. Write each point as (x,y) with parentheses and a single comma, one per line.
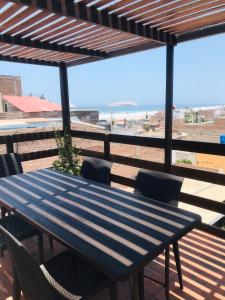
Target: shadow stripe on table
(123,260)
(67,176)
(57,187)
(130,229)
(123,214)
(32,184)
(142,202)
(98,228)
(134,208)
(13,195)
(42,174)
(19,187)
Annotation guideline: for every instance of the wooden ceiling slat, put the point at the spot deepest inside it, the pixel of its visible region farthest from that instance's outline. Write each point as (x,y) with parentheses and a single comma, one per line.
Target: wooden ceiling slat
(93,16)
(135,5)
(28,61)
(120,43)
(137,8)
(75,34)
(173,7)
(106,42)
(90,36)
(199,6)
(123,46)
(63,32)
(40,27)
(18,18)
(208,21)
(28,23)
(2,4)
(120,4)
(54,31)
(188,17)
(97,40)
(104,37)
(9,12)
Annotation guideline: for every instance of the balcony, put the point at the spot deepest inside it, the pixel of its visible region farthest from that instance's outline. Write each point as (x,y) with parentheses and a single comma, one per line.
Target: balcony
(202,251)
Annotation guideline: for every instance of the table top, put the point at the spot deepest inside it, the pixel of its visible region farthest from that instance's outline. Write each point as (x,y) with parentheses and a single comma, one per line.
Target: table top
(116,231)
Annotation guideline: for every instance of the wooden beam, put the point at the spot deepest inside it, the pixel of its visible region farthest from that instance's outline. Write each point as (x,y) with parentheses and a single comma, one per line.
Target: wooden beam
(201,33)
(91,14)
(16,40)
(28,61)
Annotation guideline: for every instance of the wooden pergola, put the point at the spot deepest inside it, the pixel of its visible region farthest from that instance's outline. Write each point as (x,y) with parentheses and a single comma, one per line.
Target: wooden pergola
(65,33)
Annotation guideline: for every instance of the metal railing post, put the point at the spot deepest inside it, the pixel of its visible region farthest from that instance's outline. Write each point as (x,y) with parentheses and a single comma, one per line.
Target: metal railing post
(169,107)
(65,97)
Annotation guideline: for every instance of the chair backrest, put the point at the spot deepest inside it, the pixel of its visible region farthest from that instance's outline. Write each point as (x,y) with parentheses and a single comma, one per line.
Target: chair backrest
(30,276)
(96,169)
(162,187)
(10,164)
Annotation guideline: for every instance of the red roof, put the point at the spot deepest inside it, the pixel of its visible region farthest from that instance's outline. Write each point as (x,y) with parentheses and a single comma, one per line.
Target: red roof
(31,104)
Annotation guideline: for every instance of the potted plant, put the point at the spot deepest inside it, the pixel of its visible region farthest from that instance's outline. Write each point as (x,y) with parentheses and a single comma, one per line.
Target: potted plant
(68,159)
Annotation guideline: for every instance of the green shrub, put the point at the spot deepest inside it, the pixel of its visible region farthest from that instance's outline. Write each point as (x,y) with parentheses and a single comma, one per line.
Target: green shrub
(68,159)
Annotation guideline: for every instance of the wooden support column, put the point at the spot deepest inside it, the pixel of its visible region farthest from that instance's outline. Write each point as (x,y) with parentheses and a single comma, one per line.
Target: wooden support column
(169,107)
(64,97)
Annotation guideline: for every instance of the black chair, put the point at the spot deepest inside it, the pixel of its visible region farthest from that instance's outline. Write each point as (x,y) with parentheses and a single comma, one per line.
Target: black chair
(10,164)
(164,188)
(96,169)
(62,277)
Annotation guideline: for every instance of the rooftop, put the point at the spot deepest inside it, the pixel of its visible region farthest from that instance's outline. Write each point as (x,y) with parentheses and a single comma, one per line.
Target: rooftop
(31,103)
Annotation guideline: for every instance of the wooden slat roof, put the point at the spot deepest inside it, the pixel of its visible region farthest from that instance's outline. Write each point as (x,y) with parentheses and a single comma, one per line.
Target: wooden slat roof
(79,31)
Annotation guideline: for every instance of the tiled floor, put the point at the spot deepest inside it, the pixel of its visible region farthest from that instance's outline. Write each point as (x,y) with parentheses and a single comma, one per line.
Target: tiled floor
(203,262)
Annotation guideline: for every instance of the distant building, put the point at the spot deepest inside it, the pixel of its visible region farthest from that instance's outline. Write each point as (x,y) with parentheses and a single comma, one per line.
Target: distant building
(27,107)
(10,85)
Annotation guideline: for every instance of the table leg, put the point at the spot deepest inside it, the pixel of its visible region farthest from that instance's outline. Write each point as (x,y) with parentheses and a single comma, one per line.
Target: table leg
(138,286)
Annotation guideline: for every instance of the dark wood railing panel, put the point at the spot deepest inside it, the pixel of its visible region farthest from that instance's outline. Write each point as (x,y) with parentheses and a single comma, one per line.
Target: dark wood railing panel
(199,147)
(38,154)
(91,153)
(137,140)
(135,162)
(98,136)
(197,174)
(205,203)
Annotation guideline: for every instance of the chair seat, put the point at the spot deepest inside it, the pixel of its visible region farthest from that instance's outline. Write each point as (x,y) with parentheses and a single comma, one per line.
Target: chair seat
(19,228)
(74,276)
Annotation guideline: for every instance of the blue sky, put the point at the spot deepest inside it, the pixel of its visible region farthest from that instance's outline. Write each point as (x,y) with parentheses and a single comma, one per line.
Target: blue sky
(199,77)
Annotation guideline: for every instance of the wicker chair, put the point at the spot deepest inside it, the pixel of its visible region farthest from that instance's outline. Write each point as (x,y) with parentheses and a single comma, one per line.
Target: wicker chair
(62,277)
(10,164)
(97,170)
(163,188)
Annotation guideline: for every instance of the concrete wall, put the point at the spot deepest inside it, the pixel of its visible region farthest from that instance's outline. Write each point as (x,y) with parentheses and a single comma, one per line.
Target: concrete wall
(10,85)
(211,161)
(88,116)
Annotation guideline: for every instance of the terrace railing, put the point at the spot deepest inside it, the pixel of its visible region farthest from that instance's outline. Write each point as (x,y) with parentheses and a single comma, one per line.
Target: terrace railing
(107,139)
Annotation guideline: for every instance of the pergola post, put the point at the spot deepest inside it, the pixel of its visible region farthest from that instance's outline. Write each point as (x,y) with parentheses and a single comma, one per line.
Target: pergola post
(169,107)
(64,97)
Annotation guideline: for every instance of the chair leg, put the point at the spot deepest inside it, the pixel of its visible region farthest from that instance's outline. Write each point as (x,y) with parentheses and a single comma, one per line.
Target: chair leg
(51,245)
(3,211)
(141,289)
(1,253)
(113,292)
(167,273)
(40,247)
(16,286)
(178,263)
